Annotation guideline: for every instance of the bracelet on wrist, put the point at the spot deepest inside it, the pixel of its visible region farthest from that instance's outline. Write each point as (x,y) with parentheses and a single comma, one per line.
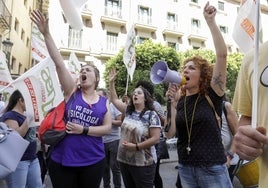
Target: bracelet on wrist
(137,147)
(85,130)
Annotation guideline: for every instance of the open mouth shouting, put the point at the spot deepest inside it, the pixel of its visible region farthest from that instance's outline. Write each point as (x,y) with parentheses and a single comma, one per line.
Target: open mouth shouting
(186,78)
(83,77)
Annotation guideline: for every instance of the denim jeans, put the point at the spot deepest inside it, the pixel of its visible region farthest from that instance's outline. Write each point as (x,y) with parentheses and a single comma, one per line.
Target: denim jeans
(204,177)
(27,174)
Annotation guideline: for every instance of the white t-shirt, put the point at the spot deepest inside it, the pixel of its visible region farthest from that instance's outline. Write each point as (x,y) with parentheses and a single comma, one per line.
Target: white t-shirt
(2,107)
(227,137)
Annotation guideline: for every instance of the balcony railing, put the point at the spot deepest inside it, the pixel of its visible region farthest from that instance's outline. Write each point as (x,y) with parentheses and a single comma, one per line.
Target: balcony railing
(113,11)
(171,25)
(5,17)
(145,19)
(197,33)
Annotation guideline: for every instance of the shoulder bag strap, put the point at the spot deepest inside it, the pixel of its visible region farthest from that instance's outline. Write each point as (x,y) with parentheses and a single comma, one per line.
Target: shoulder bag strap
(225,113)
(224,109)
(212,106)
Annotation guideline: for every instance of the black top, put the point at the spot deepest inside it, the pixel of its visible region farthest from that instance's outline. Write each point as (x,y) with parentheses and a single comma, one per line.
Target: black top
(206,143)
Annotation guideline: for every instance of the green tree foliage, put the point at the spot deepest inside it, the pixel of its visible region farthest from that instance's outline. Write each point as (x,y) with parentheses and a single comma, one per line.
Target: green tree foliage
(209,55)
(233,65)
(149,53)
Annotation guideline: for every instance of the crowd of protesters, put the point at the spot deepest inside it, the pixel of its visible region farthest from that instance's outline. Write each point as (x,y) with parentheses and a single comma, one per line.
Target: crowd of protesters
(125,138)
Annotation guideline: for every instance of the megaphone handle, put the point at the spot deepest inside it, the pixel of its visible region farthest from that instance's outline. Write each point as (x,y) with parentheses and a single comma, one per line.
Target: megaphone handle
(167,126)
(169,107)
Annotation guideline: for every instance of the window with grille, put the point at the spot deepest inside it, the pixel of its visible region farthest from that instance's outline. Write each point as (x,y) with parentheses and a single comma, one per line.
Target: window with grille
(111,43)
(20,67)
(22,35)
(174,45)
(172,21)
(195,23)
(113,8)
(224,29)
(75,38)
(140,40)
(13,63)
(16,25)
(144,14)
(221,5)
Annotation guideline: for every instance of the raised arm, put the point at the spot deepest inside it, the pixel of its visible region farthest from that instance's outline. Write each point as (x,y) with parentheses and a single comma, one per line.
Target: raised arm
(66,81)
(113,95)
(218,80)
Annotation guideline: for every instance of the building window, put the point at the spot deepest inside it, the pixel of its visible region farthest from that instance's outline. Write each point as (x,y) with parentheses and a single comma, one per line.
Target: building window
(224,29)
(194,1)
(75,38)
(25,3)
(111,43)
(13,63)
(221,5)
(20,67)
(144,15)
(87,22)
(229,49)
(16,25)
(22,35)
(29,11)
(174,45)
(113,8)
(140,40)
(28,42)
(196,23)
(172,22)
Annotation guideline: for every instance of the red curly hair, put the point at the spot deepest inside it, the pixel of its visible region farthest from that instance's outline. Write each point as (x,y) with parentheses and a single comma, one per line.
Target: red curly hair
(205,73)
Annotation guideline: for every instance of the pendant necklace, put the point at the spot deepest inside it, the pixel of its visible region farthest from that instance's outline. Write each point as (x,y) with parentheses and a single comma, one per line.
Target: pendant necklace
(189,129)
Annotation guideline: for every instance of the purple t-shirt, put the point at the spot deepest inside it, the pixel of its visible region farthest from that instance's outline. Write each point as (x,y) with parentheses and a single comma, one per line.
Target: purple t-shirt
(81,150)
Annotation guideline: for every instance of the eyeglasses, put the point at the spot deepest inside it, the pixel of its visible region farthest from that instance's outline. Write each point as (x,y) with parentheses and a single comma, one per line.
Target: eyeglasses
(137,92)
